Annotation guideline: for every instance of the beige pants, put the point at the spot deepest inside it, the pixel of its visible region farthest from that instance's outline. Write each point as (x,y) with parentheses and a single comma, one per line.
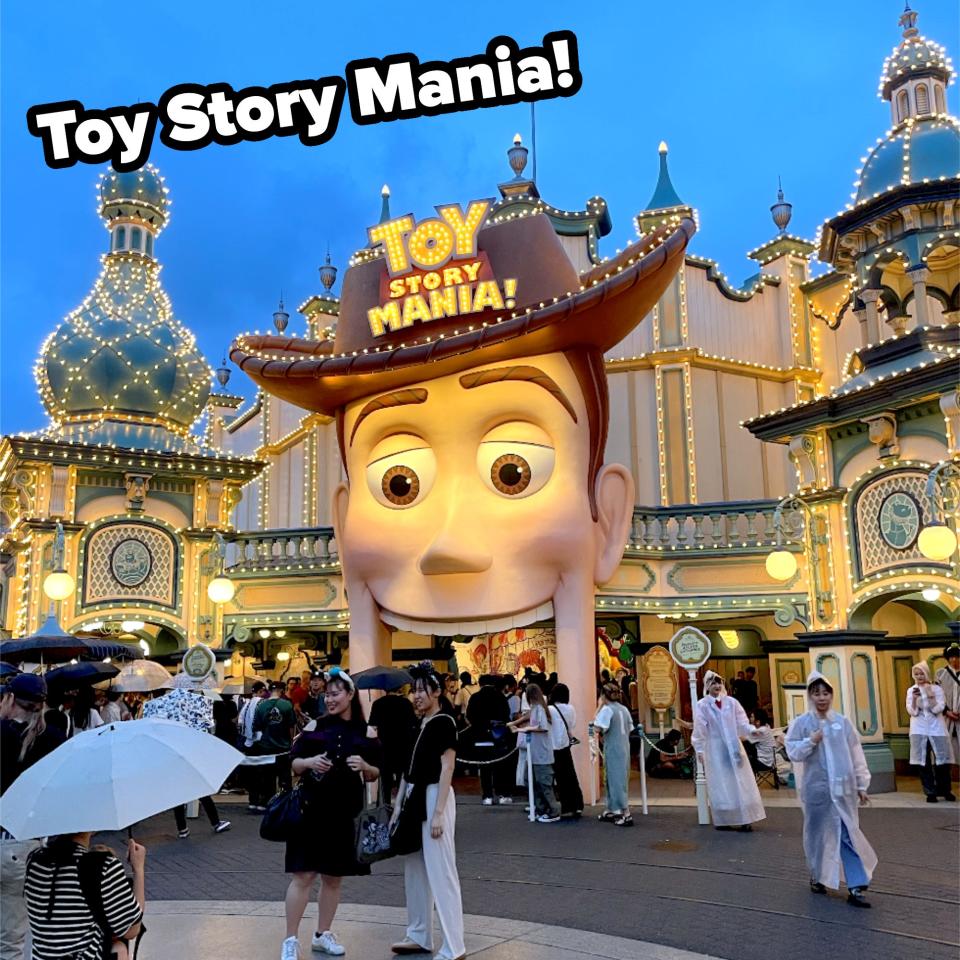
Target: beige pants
(13,911)
(430,878)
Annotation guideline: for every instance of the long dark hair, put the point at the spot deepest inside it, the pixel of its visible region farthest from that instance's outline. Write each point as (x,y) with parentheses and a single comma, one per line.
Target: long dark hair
(356,711)
(82,705)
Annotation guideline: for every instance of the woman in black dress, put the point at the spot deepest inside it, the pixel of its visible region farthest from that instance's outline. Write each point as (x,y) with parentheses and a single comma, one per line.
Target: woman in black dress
(334,761)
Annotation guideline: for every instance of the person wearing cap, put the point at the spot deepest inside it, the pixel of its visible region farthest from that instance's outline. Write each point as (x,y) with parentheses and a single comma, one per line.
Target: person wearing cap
(833,779)
(274,720)
(929,741)
(474,441)
(719,724)
(948,677)
(24,739)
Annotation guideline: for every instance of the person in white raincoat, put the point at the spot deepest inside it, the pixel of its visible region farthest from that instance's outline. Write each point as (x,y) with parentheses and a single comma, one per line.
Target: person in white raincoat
(719,723)
(833,777)
(927,705)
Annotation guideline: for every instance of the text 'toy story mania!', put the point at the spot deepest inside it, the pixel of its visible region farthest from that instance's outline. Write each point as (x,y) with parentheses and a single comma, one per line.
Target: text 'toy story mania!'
(434,269)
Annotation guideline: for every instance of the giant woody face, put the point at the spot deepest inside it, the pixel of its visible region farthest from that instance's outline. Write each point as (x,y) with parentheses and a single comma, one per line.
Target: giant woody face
(466,510)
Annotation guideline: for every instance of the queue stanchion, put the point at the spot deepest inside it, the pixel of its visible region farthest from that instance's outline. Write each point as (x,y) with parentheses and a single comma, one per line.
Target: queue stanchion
(643,772)
(594,762)
(533,812)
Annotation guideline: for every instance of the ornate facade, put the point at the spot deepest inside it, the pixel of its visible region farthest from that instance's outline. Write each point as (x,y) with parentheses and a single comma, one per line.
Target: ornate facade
(829,378)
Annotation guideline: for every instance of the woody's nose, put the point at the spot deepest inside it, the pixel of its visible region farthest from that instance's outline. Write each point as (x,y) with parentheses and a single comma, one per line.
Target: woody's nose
(448,554)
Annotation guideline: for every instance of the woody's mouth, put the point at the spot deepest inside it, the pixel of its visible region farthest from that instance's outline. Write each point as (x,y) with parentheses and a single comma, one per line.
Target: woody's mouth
(452,628)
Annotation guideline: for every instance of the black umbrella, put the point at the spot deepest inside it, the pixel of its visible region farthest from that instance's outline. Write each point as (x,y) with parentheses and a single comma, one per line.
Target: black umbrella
(75,674)
(381,678)
(7,670)
(52,644)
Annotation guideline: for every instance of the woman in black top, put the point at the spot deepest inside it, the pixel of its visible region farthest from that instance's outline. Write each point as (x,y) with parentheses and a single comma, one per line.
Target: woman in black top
(334,761)
(425,794)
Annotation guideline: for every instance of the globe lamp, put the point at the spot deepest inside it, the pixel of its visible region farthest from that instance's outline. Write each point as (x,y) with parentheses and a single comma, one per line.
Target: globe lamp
(58,585)
(930,594)
(221,590)
(937,541)
(781,564)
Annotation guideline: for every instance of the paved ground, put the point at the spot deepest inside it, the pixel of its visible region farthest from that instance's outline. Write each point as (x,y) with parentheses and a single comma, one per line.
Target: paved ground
(667,881)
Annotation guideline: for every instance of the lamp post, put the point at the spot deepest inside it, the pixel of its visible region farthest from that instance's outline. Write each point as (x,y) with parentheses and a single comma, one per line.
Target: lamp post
(781,564)
(58,585)
(220,589)
(937,541)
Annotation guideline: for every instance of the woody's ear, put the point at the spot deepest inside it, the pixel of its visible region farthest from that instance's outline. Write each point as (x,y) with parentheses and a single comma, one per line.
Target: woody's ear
(614,514)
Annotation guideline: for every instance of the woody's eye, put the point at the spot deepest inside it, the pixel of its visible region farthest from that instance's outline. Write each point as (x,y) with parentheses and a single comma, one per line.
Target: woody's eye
(513,469)
(402,479)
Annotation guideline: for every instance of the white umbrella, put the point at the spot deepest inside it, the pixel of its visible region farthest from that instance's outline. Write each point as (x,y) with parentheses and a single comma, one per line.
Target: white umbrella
(113,776)
(141,676)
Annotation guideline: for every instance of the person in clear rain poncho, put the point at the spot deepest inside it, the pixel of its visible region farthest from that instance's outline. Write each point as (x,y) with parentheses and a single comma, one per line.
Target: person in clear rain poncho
(833,778)
(719,723)
(929,736)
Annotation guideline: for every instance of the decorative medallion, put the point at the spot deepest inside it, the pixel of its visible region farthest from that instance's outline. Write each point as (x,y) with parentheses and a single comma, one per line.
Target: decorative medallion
(131,562)
(899,518)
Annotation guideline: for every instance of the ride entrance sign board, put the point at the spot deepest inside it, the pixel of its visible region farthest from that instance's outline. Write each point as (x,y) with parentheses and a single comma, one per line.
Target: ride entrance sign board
(690,648)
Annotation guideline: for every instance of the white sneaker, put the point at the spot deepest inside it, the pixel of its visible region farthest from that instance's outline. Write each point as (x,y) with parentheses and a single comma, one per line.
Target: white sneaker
(327,943)
(546,818)
(505,800)
(290,949)
(488,801)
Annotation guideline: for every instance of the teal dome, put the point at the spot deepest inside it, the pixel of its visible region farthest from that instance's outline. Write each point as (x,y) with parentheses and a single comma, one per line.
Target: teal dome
(916,152)
(121,369)
(136,193)
(122,355)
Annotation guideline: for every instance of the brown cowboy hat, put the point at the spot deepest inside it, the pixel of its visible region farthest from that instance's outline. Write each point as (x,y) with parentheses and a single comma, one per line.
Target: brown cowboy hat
(556,310)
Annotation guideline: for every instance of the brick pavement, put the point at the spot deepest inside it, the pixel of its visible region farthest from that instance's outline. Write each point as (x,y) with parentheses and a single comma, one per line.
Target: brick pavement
(668,880)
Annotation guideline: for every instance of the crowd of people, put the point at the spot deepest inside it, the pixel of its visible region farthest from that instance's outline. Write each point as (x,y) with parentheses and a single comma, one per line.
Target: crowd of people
(313,729)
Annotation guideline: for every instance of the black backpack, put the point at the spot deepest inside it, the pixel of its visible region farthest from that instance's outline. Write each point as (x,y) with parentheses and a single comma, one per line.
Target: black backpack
(90,867)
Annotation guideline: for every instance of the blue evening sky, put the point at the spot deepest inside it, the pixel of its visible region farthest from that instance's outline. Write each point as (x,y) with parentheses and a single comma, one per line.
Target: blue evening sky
(741,92)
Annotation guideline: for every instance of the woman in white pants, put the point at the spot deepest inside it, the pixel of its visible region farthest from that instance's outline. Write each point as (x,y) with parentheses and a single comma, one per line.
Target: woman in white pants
(426,798)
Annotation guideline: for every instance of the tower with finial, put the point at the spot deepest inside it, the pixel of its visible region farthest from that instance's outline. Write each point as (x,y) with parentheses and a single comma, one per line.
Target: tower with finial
(916,75)
(328,273)
(384,203)
(665,202)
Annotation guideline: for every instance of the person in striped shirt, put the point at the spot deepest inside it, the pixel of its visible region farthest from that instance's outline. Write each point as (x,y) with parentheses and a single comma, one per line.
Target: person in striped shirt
(80,903)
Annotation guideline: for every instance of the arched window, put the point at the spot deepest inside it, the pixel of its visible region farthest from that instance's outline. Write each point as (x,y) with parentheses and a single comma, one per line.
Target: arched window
(903,106)
(938,97)
(121,238)
(148,244)
(923,99)
(135,238)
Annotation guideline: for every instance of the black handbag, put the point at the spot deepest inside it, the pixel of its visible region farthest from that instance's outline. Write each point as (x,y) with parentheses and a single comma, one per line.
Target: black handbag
(372,831)
(407,834)
(283,819)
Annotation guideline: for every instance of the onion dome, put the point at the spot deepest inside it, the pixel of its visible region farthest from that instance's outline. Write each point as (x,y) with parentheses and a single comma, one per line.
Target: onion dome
(280,317)
(781,211)
(328,273)
(121,369)
(136,194)
(920,151)
(914,57)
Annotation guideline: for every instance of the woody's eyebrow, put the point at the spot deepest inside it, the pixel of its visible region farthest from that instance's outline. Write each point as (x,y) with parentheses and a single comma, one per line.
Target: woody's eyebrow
(479,378)
(398,398)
